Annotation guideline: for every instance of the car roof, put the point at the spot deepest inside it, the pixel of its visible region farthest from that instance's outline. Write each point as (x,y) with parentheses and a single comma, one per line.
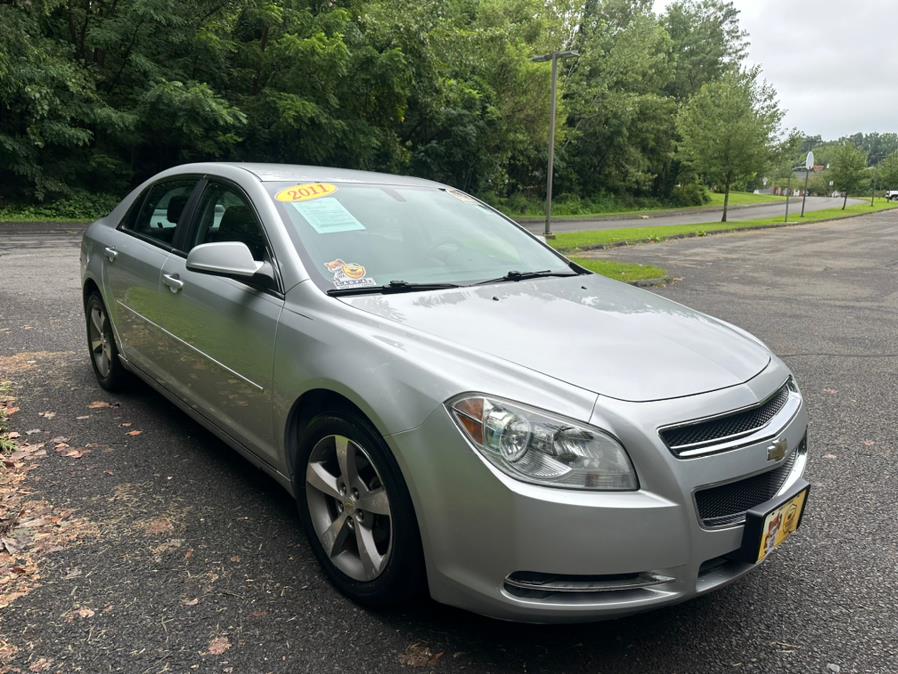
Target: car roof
(299,172)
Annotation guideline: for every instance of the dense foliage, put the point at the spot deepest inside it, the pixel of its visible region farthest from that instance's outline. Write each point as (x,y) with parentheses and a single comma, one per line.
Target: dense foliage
(96,95)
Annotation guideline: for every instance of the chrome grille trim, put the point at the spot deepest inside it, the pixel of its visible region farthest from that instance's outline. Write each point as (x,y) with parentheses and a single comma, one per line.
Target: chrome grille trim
(709,435)
(559,583)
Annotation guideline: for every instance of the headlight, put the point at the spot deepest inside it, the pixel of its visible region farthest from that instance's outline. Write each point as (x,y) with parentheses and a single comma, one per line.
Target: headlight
(540,447)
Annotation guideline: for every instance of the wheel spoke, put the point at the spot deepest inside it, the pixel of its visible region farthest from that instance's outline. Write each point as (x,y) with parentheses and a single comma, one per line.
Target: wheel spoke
(98,320)
(371,559)
(96,345)
(375,501)
(346,459)
(333,539)
(319,478)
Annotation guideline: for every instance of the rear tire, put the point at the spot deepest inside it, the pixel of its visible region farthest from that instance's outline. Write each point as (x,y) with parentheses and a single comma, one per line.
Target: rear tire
(343,468)
(110,372)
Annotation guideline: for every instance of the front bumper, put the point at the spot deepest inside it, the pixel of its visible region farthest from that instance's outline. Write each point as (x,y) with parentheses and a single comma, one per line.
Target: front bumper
(479,526)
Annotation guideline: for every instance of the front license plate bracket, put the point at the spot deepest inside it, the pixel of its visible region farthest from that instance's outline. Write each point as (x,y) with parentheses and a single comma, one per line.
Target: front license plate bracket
(768,525)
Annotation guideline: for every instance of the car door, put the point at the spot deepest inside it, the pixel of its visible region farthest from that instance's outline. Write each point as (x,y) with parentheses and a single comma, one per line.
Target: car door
(133,268)
(222,330)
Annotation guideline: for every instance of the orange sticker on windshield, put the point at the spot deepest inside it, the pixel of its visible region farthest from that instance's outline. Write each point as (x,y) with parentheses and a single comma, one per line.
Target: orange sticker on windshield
(349,274)
(306,192)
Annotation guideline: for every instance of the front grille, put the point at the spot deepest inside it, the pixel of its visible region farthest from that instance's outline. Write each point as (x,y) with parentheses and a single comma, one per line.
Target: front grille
(726,427)
(727,503)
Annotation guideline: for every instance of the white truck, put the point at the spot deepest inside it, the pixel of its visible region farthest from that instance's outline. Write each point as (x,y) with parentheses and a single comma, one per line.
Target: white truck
(891,195)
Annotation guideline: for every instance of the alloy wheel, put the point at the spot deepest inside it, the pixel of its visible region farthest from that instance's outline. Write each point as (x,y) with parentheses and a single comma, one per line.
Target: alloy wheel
(100,346)
(349,507)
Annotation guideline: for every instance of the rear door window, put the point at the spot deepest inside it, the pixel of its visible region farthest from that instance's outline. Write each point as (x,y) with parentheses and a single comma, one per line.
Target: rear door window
(162,209)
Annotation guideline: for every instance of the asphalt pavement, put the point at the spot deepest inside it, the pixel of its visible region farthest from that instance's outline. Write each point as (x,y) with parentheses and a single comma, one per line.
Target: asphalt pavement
(757,212)
(186,558)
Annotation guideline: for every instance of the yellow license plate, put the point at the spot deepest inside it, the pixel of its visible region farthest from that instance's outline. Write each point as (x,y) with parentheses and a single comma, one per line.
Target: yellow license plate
(780,524)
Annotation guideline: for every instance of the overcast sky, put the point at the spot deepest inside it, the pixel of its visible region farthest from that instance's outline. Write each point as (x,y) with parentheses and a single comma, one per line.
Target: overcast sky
(833,63)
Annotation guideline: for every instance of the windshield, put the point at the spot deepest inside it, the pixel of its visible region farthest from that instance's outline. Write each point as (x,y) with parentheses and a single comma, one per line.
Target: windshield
(352,235)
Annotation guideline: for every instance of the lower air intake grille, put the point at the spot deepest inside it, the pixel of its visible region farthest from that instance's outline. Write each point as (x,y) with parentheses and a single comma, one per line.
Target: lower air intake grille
(727,503)
(718,429)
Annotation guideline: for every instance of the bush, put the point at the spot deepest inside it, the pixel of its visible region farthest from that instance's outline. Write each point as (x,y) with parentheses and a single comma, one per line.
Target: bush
(691,194)
(79,205)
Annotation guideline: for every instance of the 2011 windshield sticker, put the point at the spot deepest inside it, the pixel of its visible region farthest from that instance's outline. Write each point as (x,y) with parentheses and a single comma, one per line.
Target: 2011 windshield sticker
(305,192)
(349,274)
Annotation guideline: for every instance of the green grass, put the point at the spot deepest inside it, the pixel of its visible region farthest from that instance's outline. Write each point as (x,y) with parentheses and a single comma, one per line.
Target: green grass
(736,199)
(622,271)
(574,241)
(743,199)
(12,217)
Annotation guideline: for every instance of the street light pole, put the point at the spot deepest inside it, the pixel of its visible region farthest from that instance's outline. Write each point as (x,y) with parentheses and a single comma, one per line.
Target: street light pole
(553,57)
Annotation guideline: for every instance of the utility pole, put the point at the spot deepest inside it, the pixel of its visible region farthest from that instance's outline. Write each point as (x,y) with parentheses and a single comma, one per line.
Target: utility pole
(873,193)
(788,192)
(553,57)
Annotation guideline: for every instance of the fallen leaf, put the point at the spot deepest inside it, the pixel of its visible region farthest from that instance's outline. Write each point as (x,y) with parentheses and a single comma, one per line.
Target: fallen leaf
(218,646)
(85,612)
(83,417)
(134,434)
(235,559)
(13,435)
(190,602)
(867,443)
(40,665)
(159,525)
(101,405)
(168,546)
(74,454)
(58,439)
(255,615)
(12,410)
(830,456)
(830,391)
(12,547)
(125,424)
(33,431)
(419,655)
(46,415)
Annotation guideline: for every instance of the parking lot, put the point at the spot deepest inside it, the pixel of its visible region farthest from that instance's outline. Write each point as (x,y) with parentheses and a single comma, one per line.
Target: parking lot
(185,558)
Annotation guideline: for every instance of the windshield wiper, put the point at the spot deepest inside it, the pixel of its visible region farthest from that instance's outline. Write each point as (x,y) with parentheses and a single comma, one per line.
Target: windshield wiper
(391,287)
(524,275)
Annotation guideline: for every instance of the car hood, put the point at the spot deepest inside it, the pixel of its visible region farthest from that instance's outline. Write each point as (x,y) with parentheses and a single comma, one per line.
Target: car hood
(601,335)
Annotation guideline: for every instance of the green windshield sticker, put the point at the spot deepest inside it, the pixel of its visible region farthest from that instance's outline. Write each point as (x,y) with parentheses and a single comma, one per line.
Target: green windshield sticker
(327,216)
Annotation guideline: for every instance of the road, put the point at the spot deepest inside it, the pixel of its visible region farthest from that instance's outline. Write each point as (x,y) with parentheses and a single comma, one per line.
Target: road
(736,214)
(188,559)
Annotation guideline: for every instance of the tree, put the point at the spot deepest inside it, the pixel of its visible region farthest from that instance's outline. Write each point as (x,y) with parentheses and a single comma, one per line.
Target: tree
(888,172)
(847,169)
(729,129)
(707,41)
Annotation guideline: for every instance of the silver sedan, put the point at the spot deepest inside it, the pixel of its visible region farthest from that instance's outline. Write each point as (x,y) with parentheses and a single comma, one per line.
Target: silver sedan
(457,408)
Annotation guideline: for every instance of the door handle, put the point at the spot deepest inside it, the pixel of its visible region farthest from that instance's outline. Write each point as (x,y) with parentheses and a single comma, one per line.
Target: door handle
(110,253)
(173,282)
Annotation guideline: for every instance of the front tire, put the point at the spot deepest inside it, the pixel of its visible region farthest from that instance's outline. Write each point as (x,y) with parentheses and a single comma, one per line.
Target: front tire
(356,511)
(110,372)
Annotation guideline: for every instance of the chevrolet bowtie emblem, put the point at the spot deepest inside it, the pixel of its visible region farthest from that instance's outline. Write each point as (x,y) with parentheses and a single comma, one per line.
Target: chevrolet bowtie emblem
(777,449)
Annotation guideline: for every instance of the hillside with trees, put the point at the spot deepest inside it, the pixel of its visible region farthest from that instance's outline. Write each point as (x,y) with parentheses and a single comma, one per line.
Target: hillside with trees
(96,95)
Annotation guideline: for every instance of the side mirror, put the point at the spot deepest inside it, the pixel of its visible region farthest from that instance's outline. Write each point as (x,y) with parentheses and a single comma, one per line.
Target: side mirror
(224,258)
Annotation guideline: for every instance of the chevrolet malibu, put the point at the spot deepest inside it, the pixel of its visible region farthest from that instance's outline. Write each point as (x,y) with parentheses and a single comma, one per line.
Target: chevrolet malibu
(457,408)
